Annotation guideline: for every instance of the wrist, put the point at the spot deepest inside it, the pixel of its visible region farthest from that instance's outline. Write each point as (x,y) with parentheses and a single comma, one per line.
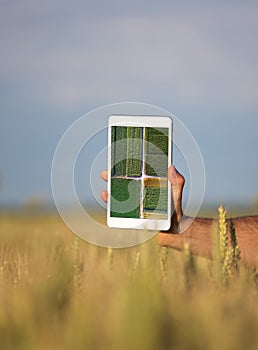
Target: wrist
(184,223)
(180,222)
(176,219)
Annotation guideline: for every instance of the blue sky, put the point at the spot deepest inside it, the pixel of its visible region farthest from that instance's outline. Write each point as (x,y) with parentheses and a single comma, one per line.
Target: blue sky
(198,60)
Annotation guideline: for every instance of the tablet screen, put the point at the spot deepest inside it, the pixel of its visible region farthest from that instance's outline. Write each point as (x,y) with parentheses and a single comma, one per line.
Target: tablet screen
(139,163)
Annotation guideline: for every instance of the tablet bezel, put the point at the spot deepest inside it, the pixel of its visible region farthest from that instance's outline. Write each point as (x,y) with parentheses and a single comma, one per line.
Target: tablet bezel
(139,121)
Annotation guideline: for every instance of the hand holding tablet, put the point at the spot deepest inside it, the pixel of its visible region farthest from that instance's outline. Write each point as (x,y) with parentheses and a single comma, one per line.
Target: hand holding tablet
(140,149)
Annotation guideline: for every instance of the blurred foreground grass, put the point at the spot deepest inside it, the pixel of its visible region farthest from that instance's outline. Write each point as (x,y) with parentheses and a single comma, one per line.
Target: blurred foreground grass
(59,292)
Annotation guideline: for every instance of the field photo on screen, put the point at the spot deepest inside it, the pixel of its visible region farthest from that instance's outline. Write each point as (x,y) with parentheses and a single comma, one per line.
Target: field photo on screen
(139,160)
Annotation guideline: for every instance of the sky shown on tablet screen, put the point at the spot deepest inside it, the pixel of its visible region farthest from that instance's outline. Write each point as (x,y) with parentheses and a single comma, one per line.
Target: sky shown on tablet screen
(139,158)
(61,59)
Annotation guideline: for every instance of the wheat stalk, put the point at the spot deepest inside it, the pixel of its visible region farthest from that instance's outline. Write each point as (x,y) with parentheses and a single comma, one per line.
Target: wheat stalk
(189,266)
(163,259)
(110,257)
(76,265)
(136,262)
(223,237)
(227,266)
(236,255)
(229,256)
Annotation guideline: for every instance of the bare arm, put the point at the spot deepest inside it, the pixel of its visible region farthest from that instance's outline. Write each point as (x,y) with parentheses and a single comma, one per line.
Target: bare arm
(199,233)
(247,234)
(199,237)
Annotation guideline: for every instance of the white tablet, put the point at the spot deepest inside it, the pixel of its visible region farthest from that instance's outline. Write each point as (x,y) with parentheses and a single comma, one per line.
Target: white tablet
(139,154)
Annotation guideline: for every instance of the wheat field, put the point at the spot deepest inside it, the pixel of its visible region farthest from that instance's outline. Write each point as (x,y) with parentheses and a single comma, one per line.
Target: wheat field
(60,292)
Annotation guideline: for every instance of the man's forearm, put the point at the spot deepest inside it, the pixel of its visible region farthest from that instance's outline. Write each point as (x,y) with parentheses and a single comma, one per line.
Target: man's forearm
(199,236)
(197,232)
(247,236)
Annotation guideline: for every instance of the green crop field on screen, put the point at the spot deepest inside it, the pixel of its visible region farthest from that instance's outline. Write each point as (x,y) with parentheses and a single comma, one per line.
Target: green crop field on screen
(139,172)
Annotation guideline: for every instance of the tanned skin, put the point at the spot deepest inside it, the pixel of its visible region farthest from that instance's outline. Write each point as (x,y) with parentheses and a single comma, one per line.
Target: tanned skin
(199,233)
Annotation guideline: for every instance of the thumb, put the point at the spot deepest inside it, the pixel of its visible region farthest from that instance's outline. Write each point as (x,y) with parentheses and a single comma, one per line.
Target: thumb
(176,179)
